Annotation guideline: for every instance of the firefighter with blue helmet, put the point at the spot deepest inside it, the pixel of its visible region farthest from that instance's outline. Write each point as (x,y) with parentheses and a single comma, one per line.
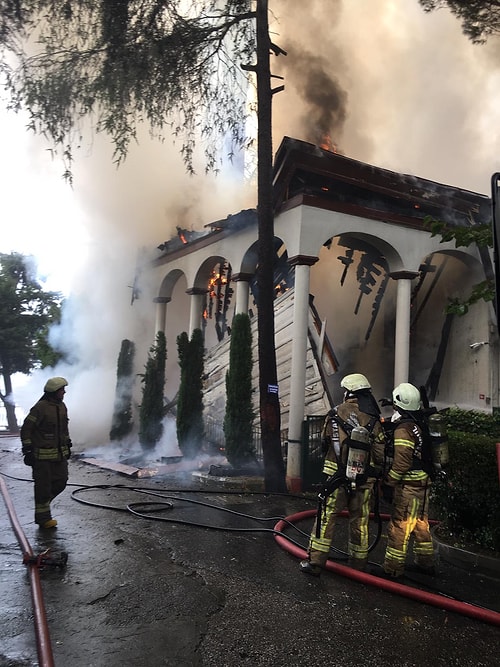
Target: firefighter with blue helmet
(358,411)
(409,479)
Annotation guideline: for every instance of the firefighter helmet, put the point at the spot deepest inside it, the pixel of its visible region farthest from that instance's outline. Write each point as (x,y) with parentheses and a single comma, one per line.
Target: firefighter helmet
(355,382)
(54,384)
(406,396)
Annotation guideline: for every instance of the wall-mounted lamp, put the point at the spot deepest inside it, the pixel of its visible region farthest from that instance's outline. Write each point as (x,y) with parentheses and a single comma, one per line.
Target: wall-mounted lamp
(474,346)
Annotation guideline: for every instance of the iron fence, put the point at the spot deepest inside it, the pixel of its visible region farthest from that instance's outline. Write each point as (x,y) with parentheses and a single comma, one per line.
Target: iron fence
(214,436)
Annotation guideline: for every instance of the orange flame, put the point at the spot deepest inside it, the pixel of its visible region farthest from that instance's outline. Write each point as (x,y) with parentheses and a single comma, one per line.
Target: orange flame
(327,144)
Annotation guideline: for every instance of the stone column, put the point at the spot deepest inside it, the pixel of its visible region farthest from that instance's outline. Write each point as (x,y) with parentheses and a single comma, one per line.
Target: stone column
(300,325)
(161,313)
(402,337)
(196,308)
(242,281)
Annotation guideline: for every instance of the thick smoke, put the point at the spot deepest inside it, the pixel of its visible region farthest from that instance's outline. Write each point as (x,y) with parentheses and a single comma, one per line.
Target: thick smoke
(324,101)
(128,212)
(422,99)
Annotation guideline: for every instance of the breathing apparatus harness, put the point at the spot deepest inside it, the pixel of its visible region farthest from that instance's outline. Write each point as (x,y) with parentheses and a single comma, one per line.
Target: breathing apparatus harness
(428,427)
(433,425)
(355,471)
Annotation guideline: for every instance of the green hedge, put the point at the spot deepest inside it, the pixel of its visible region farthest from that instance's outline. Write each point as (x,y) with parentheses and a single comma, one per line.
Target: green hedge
(473,421)
(467,499)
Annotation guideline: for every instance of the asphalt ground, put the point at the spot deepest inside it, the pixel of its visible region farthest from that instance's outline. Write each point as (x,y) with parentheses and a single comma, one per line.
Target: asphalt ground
(183,584)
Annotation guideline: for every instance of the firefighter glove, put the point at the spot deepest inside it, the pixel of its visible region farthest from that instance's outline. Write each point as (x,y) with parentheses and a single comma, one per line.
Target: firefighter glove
(70,444)
(29,458)
(387,493)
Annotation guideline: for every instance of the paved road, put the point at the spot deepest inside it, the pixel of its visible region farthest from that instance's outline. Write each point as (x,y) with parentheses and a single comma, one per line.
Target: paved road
(144,592)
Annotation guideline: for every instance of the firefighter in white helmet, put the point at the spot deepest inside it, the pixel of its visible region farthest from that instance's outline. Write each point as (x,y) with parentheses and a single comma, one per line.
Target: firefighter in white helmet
(46,448)
(358,409)
(410,482)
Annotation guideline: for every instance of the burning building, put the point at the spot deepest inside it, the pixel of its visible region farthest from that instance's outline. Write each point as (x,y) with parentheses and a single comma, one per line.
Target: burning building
(352,243)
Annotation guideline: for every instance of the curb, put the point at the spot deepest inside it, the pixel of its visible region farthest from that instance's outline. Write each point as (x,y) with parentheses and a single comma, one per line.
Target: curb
(467,560)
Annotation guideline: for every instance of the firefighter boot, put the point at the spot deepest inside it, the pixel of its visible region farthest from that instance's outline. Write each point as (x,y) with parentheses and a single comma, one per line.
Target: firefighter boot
(309,568)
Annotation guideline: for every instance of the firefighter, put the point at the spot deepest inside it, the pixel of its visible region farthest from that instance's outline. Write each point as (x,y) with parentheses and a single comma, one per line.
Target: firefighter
(359,408)
(46,448)
(410,483)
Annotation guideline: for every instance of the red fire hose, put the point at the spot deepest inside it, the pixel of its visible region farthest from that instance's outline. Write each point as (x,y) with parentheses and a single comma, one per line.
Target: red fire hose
(44,647)
(433,599)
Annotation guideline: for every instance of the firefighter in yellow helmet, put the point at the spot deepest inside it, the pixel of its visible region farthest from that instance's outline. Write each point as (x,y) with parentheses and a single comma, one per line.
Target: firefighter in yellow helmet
(46,447)
(410,482)
(359,408)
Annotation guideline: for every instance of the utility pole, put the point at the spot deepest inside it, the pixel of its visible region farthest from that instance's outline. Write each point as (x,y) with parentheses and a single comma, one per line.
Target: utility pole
(270,417)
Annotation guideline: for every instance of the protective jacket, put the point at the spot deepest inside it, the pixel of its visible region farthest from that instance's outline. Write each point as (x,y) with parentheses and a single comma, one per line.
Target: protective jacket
(407,467)
(411,501)
(45,433)
(357,502)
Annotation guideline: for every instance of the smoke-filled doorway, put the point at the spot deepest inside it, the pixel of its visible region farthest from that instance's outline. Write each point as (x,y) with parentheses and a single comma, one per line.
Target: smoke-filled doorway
(353,292)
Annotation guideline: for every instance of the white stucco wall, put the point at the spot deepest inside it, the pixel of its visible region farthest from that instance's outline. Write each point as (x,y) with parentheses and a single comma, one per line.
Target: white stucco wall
(466,378)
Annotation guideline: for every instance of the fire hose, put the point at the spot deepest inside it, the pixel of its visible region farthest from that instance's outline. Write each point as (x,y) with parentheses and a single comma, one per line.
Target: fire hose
(44,646)
(433,599)
(286,542)
(143,510)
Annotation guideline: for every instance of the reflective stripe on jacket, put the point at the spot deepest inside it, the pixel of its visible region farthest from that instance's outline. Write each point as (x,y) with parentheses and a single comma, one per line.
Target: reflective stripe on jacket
(407,466)
(45,430)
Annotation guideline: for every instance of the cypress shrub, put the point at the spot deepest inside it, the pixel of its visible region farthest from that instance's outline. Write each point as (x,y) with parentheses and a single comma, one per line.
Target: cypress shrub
(151,409)
(122,424)
(239,415)
(189,424)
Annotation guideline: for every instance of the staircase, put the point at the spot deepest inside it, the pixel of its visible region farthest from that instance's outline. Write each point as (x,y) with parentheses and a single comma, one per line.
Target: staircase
(321,364)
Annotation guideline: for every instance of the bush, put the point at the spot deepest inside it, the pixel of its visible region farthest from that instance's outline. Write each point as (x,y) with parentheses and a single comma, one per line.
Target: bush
(151,409)
(122,424)
(238,418)
(466,499)
(473,421)
(189,423)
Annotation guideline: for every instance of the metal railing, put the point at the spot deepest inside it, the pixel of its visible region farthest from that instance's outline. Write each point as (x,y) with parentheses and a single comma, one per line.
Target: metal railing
(311,450)
(214,435)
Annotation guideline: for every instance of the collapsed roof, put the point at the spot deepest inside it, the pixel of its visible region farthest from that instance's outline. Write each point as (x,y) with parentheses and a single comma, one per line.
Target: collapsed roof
(305,174)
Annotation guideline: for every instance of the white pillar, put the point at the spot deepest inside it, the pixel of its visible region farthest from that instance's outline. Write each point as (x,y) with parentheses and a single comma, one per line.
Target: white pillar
(242,294)
(195,311)
(161,313)
(298,369)
(402,336)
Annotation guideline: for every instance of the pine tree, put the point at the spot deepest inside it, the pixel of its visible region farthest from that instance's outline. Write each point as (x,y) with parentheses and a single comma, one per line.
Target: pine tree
(122,423)
(238,419)
(151,410)
(190,429)
(480,18)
